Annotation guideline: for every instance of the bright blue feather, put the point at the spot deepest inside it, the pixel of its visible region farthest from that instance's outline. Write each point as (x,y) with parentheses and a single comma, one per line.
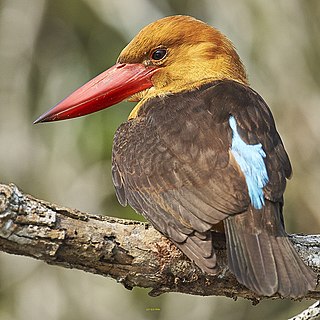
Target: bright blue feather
(250,159)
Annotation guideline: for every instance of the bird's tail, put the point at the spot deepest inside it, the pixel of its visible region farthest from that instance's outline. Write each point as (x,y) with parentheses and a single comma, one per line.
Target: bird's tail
(262,257)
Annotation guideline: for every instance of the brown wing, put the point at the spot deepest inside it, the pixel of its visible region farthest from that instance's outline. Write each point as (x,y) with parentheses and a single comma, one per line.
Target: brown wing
(173,162)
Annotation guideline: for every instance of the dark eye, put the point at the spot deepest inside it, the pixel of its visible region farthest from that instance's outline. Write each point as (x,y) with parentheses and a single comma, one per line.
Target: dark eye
(158,54)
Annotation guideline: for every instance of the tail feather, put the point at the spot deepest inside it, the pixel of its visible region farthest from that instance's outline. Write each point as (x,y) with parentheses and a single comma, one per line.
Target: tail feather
(261,263)
(295,271)
(262,257)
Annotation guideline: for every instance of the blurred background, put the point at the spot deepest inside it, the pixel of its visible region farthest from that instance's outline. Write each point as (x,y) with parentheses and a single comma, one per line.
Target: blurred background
(49,48)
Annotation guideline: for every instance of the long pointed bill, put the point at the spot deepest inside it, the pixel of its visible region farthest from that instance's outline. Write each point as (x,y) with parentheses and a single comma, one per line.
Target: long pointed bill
(108,88)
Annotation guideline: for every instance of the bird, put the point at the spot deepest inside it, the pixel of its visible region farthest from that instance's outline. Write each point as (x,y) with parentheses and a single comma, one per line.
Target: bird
(199,152)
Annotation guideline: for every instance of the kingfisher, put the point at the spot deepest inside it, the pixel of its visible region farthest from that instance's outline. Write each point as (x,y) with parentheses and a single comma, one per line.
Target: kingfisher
(199,153)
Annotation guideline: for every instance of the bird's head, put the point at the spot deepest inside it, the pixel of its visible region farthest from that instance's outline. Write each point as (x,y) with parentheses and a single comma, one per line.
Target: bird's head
(170,55)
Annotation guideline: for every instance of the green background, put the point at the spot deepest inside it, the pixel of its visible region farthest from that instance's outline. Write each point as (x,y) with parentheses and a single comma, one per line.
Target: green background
(49,48)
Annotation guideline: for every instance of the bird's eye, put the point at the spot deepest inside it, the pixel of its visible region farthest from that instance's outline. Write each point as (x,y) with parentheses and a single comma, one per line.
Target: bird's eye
(158,54)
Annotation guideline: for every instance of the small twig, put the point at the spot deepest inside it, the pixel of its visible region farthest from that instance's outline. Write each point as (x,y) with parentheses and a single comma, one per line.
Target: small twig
(312,313)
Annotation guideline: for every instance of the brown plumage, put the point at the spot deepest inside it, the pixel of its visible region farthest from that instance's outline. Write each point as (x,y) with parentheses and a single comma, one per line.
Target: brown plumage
(176,160)
(181,177)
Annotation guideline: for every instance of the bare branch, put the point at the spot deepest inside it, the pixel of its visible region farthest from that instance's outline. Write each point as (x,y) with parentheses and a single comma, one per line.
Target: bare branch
(133,253)
(312,313)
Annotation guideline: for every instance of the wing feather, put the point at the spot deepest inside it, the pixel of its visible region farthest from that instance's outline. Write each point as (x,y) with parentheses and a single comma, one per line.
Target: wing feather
(173,164)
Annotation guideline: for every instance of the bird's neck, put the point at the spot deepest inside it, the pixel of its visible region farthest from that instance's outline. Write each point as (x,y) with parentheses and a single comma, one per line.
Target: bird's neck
(192,76)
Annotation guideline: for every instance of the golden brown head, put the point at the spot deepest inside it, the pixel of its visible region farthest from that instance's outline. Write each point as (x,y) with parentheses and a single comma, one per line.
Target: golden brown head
(188,53)
(170,55)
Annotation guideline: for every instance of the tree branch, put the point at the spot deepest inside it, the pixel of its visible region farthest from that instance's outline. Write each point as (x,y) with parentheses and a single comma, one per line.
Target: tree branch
(131,252)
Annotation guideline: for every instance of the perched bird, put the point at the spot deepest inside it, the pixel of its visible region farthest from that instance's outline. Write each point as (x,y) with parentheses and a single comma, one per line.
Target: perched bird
(199,153)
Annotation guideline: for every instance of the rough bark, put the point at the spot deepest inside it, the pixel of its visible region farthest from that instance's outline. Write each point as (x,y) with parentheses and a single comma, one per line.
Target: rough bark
(131,252)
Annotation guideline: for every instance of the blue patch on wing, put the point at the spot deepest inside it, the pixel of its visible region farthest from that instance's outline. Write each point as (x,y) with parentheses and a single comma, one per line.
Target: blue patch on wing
(250,159)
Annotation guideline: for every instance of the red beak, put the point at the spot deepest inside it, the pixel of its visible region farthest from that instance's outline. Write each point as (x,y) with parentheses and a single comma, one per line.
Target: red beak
(108,88)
